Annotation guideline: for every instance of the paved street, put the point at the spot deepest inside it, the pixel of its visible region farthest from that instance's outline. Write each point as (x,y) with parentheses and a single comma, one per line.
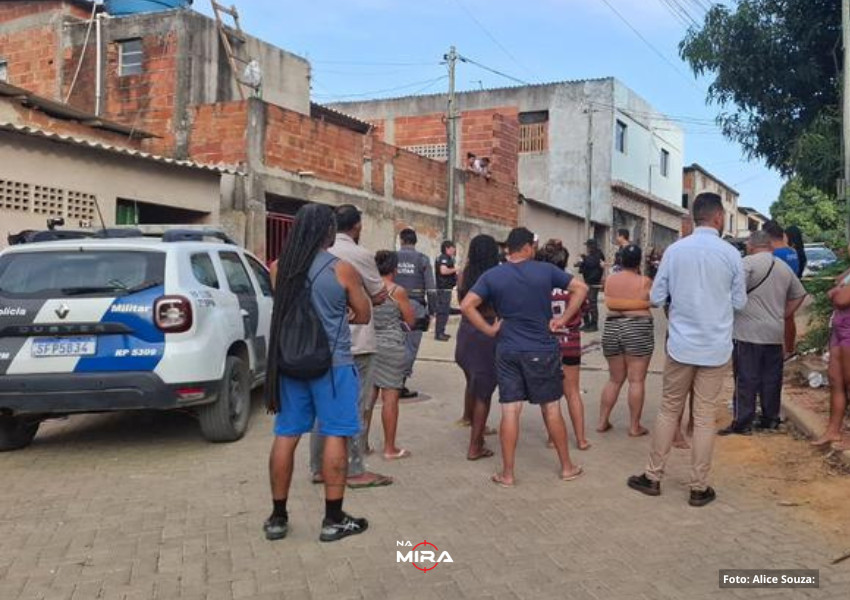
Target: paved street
(136,507)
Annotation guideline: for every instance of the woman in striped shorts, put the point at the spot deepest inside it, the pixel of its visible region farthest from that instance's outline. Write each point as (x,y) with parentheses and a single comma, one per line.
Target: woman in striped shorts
(628,340)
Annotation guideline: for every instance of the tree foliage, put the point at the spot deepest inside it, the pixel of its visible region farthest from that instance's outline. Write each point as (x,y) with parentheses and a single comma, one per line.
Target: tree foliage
(815,212)
(776,67)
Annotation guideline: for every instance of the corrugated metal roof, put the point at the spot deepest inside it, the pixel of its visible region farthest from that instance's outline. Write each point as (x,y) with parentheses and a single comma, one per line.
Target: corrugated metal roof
(470,92)
(94,145)
(66,112)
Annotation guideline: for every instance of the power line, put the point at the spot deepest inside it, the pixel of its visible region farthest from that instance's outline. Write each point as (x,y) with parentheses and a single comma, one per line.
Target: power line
(373,64)
(427,83)
(667,4)
(649,44)
(501,46)
(492,70)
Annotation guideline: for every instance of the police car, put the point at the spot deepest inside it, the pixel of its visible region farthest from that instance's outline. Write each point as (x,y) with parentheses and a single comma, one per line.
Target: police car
(124,323)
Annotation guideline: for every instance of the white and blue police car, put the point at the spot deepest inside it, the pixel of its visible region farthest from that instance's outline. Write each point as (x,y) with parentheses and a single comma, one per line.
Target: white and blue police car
(117,321)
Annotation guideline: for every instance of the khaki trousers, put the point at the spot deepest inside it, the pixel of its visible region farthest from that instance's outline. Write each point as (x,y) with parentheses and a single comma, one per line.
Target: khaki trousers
(707,384)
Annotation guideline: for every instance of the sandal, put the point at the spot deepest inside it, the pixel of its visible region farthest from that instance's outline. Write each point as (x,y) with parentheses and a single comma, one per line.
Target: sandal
(378,481)
(498,480)
(578,473)
(483,453)
(401,454)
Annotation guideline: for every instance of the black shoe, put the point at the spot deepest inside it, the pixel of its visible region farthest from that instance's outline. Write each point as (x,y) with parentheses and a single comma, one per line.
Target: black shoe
(332,532)
(701,498)
(443,338)
(276,528)
(762,424)
(735,430)
(645,485)
(406,394)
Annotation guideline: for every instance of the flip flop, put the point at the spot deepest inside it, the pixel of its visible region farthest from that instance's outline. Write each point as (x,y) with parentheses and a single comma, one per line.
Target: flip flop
(463,423)
(644,431)
(485,453)
(585,446)
(379,481)
(403,453)
(608,427)
(497,479)
(579,472)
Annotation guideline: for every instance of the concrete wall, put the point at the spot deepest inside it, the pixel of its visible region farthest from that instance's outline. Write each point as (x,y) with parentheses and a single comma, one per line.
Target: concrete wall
(39,162)
(696,181)
(648,134)
(548,223)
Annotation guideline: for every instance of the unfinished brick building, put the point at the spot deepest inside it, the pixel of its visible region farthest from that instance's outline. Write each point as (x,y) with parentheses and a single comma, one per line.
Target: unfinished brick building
(167,76)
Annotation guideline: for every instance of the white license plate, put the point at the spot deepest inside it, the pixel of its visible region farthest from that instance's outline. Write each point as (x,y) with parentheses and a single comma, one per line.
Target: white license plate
(68,346)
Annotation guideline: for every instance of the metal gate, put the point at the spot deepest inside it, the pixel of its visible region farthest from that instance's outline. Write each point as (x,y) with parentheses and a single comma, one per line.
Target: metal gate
(278,227)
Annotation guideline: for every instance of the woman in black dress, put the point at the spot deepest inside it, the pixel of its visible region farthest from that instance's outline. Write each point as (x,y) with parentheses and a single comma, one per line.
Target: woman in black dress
(476,352)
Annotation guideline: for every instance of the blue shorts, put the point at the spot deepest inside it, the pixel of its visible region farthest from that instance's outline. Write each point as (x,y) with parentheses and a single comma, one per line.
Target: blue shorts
(333,403)
(533,376)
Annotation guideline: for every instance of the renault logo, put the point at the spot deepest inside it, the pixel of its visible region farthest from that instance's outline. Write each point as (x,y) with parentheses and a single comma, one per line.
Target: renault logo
(63,311)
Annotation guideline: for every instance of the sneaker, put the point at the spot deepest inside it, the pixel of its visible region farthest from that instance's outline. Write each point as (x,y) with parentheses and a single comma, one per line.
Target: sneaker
(406,394)
(443,338)
(735,430)
(702,497)
(276,528)
(763,424)
(645,485)
(332,532)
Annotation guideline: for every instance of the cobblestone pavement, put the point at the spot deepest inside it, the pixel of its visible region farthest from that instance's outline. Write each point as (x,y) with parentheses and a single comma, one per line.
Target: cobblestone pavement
(138,506)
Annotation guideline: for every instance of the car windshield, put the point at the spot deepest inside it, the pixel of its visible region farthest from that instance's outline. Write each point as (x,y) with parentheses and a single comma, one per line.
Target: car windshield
(819,254)
(79,274)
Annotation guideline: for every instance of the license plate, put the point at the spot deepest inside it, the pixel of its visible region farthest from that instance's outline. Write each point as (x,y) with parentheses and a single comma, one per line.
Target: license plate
(68,346)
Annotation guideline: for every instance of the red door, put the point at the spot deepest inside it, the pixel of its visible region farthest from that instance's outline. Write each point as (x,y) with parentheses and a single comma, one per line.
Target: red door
(278,227)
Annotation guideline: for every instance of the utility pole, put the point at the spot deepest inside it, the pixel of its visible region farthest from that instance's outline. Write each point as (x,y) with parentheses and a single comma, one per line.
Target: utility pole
(451,143)
(589,206)
(845,22)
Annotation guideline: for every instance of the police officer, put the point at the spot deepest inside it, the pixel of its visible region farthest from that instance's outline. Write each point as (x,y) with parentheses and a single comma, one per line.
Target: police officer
(446,273)
(416,276)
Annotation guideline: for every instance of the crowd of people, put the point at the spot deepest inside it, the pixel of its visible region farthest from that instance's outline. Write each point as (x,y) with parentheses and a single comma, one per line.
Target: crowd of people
(362,317)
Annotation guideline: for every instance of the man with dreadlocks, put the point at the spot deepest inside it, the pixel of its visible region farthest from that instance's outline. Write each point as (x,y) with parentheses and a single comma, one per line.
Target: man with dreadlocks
(337,297)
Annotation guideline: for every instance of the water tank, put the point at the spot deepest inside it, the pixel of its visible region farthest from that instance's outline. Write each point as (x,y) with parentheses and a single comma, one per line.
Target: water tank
(133,7)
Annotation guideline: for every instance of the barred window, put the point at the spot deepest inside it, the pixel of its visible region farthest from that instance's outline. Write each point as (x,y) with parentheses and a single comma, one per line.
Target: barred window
(130,58)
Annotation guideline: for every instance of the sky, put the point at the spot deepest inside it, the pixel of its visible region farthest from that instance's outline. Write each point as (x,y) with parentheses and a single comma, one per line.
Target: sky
(363,49)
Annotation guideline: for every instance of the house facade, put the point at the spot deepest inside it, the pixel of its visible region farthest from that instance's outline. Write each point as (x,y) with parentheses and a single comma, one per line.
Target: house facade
(697,180)
(167,75)
(592,157)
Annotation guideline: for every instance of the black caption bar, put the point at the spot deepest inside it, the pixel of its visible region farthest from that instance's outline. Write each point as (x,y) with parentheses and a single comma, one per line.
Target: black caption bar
(769,578)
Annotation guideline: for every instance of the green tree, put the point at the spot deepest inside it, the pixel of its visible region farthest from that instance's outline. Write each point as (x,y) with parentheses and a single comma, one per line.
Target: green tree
(815,212)
(776,80)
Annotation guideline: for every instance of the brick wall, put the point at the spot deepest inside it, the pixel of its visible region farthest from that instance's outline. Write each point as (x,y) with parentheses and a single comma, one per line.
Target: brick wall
(295,142)
(25,8)
(491,200)
(419,179)
(31,57)
(146,101)
(219,133)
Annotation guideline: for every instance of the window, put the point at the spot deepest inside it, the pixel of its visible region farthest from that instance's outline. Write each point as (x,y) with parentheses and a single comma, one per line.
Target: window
(534,131)
(262,275)
(686,200)
(665,163)
(622,132)
(731,224)
(130,57)
(203,270)
(4,70)
(237,276)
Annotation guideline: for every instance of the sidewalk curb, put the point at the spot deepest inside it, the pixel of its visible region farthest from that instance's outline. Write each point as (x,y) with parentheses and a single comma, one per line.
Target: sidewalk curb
(811,425)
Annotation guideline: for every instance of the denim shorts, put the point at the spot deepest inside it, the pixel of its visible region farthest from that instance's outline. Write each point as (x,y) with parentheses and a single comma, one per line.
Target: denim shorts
(333,402)
(533,376)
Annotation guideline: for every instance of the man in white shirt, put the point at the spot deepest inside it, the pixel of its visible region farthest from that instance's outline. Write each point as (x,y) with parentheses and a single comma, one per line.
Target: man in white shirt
(702,277)
(363,346)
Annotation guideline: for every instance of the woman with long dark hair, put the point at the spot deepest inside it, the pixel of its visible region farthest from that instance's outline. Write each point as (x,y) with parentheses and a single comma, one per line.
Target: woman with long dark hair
(569,341)
(475,352)
(308,273)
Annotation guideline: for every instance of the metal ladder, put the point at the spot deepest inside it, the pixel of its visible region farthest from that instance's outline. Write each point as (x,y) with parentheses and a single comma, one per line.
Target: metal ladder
(226,32)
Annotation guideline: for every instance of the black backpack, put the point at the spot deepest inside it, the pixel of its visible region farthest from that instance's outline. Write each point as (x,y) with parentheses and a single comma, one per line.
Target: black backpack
(304,352)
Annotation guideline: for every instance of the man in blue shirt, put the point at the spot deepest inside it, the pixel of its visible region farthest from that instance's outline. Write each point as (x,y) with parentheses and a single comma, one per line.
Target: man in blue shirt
(781,249)
(528,361)
(703,277)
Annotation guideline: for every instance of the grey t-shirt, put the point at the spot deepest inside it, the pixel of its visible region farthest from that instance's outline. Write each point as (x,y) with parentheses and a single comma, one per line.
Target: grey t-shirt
(762,320)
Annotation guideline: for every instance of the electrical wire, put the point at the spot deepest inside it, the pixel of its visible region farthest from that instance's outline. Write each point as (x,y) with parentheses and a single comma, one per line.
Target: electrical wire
(492,70)
(82,53)
(373,64)
(649,44)
(427,83)
(501,46)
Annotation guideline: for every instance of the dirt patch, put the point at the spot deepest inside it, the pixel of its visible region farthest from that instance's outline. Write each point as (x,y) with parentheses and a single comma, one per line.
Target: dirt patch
(782,467)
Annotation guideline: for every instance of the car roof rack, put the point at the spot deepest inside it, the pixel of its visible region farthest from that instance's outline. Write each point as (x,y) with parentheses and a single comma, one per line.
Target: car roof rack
(117,233)
(196,235)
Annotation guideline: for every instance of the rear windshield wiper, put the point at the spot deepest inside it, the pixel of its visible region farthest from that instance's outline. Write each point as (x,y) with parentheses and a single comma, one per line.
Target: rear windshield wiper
(110,289)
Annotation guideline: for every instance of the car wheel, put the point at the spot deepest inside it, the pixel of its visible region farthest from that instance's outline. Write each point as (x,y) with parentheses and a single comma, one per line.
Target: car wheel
(17,432)
(226,420)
